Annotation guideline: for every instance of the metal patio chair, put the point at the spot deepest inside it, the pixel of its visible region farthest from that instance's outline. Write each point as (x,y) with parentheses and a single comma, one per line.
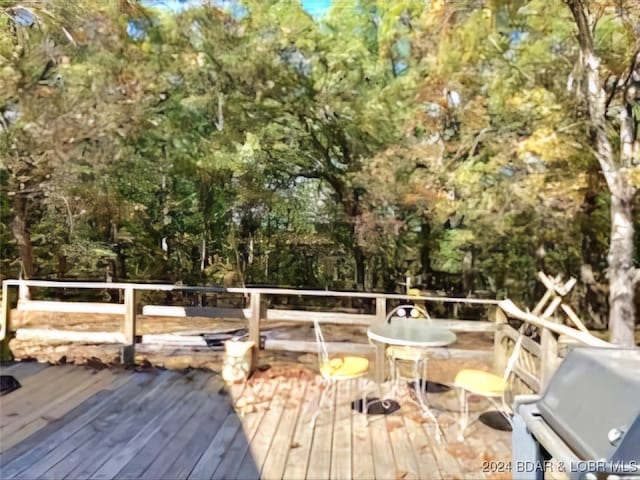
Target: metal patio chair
(334,370)
(488,385)
(398,355)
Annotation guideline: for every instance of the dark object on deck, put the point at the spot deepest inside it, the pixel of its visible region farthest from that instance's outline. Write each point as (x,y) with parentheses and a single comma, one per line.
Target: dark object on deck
(375,406)
(588,417)
(216,340)
(431,387)
(96,363)
(495,420)
(8,384)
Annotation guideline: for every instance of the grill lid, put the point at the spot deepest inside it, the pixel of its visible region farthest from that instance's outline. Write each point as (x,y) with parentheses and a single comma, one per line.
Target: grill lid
(593,402)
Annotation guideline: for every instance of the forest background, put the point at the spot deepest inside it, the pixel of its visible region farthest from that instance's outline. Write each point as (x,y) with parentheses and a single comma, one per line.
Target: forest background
(467,144)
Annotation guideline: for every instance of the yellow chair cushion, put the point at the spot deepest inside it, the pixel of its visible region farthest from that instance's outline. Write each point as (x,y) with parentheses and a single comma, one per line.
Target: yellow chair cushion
(481,383)
(406,353)
(345,367)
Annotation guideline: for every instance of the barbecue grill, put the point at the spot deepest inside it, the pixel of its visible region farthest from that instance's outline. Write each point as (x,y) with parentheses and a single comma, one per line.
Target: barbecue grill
(587,419)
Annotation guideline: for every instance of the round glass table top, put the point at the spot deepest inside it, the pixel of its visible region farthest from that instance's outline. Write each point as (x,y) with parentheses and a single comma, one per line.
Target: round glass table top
(411,334)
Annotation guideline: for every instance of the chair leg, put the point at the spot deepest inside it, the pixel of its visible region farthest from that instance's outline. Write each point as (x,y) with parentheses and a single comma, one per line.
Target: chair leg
(501,409)
(465,422)
(365,399)
(363,389)
(464,414)
(326,390)
(393,369)
(421,395)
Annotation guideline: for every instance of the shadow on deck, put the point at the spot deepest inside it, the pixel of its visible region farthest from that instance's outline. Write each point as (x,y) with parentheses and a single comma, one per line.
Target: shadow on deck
(74,422)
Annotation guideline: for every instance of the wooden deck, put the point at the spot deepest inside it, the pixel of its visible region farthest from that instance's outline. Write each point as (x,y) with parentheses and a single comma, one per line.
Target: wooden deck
(74,422)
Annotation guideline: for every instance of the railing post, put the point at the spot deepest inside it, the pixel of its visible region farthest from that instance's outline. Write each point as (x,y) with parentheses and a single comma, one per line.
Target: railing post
(381,309)
(24,295)
(23,292)
(128,351)
(5,352)
(381,315)
(254,327)
(500,353)
(6,309)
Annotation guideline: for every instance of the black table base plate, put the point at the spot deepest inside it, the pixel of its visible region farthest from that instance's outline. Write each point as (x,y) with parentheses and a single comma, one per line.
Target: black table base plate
(495,420)
(375,406)
(430,387)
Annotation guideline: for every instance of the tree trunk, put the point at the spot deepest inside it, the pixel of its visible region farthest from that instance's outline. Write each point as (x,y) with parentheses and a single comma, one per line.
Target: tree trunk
(22,235)
(425,251)
(621,272)
(615,171)
(359,257)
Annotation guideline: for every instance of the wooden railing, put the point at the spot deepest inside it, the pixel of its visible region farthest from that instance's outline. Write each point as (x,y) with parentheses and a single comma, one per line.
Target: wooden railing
(544,342)
(256,312)
(545,337)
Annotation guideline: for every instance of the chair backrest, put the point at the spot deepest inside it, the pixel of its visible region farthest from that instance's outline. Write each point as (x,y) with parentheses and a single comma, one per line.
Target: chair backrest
(408,312)
(515,354)
(323,355)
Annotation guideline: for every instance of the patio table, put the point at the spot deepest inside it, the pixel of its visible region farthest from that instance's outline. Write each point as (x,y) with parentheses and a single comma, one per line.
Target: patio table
(410,333)
(406,333)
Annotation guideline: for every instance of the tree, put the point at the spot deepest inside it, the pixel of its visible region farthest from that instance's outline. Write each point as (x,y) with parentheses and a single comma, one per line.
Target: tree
(71,95)
(311,102)
(607,87)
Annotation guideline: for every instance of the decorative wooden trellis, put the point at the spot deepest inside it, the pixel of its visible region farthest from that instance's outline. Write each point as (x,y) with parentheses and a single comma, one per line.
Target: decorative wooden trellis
(546,335)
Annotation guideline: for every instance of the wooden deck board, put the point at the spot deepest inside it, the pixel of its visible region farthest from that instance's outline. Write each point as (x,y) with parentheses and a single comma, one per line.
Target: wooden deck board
(196,446)
(212,456)
(51,449)
(22,370)
(75,393)
(381,449)
(122,455)
(161,439)
(403,454)
(35,387)
(234,457)
(95,441)
(422,448)
(46,439)
(261,442)
(447,463)
(300,447)
(22,401)
(283,437)
(319,467)
(341,444)
(181,438)
(163,424)
(362,467)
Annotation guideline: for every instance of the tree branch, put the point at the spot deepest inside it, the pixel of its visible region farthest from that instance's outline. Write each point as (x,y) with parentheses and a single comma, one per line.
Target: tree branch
(219,123)
(595,94)
(612,93)
(469,148)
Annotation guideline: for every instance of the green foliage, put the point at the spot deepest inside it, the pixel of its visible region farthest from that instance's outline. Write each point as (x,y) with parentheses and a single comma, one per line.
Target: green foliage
(389,138)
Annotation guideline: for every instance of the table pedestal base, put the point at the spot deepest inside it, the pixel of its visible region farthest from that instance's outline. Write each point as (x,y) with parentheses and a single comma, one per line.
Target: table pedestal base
(375,406)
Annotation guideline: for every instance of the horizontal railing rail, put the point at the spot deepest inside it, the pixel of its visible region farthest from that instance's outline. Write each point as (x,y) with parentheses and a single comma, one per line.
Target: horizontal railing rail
(242,290)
